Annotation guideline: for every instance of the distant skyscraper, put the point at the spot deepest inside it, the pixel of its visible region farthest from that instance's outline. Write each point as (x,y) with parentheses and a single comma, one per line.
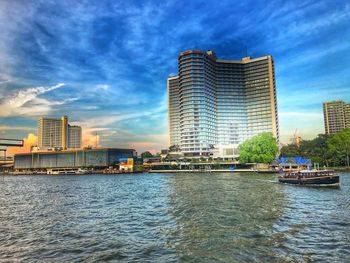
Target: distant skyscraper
(74,137)
(214,105)
(57,133)
(336,116)
(174,110)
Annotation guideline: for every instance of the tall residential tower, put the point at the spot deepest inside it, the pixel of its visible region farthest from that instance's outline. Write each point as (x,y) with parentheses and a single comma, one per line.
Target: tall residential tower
(57,133)
(214,104)
(336,116)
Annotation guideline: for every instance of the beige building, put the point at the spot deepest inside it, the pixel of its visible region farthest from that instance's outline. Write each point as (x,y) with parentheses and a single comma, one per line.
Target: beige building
(214,104)
(336,116)
(74,137)
(174,110)
(57,133)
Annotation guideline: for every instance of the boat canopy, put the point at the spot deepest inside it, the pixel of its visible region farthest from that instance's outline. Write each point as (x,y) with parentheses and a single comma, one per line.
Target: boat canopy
(297,160)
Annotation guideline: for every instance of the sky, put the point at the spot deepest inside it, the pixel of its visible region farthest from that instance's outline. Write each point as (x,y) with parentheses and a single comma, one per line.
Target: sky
(105,63)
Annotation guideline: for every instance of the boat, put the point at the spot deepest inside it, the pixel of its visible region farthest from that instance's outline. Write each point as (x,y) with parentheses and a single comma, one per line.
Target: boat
(66,171)
(82,171)
(60,171)
(310,178)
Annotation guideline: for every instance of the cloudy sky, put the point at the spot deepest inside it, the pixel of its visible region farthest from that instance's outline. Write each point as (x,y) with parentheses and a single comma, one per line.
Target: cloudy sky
(105,63)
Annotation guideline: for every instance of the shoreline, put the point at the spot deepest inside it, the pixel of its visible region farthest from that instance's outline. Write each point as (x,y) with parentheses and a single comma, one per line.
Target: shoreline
(151,171)
(213,171)
(261,171)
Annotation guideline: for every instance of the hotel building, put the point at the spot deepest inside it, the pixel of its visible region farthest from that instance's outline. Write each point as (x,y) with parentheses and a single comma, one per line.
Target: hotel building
(214,105)
(57,133)
(336,116)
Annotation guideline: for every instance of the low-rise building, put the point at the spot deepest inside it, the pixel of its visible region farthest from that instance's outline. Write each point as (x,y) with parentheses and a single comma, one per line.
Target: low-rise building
(131,165)
(79,158)
(292,163)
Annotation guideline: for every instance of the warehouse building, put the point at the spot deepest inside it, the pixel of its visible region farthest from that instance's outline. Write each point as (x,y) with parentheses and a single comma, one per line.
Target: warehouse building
(80,158)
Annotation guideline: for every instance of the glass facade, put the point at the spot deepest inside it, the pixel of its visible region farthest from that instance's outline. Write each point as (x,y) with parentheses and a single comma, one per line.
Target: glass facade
(71,159)
(216,102)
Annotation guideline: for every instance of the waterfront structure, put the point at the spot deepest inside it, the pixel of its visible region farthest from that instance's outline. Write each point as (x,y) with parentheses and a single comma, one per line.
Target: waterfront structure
(80,158)
(58,133)
(214,104)
(336,116)
(296,163)
(131,165)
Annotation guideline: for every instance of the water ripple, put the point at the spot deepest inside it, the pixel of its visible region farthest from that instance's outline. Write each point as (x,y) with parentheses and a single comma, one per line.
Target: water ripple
(171,218)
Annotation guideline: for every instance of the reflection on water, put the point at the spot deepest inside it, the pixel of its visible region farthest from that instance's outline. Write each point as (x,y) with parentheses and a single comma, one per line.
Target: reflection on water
(171,218)
(223,217)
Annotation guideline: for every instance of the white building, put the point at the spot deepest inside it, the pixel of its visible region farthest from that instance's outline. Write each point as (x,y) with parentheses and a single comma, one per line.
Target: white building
(214,105)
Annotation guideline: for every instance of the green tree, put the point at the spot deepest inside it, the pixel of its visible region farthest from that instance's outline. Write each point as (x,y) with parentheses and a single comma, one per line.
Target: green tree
(174,148)
(316,149)
(146,154)
(339,147)
(262,148)
(324,149)
(290,150)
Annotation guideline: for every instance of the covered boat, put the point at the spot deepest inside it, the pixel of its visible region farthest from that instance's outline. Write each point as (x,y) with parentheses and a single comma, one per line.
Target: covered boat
(310,177)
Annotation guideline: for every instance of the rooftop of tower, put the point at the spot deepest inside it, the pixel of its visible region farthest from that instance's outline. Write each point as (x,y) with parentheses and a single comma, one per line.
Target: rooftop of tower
(211,54)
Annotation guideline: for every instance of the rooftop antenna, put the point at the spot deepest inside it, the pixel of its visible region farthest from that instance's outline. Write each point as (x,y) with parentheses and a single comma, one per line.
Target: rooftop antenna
(96,140)
(246,51)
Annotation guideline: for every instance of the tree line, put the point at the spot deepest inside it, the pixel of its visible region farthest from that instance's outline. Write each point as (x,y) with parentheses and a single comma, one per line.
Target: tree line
(328,150)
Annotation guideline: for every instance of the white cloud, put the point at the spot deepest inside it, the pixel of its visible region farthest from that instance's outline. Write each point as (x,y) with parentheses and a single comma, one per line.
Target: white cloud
(27,102)
(313,26)
(307,124)
(4,81)
(103,87)
(16,128)
(300,115)
(105,128)
(309,56)
(90,107)
(153,143)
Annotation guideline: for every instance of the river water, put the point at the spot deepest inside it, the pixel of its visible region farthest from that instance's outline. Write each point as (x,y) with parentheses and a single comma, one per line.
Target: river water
(223,217)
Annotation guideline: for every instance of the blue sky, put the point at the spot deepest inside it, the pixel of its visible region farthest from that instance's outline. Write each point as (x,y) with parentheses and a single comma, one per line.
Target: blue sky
(105,63)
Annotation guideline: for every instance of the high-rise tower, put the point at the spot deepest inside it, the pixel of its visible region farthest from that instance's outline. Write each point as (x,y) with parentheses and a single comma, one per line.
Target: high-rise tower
(217,104)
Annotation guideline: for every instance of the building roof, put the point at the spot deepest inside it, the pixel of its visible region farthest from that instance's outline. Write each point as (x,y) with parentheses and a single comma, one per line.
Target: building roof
(293,160)
(76,150)
(211,54)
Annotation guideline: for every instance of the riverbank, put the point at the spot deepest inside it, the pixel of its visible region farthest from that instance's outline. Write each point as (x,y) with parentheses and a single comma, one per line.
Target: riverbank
(25,173)
(340,168)
(106,171)
(214,171)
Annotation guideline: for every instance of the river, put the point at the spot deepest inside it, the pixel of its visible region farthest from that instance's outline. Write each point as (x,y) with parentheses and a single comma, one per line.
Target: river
(217,217)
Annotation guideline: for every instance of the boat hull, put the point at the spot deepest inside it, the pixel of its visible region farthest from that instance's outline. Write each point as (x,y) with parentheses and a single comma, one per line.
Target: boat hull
(326,180)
